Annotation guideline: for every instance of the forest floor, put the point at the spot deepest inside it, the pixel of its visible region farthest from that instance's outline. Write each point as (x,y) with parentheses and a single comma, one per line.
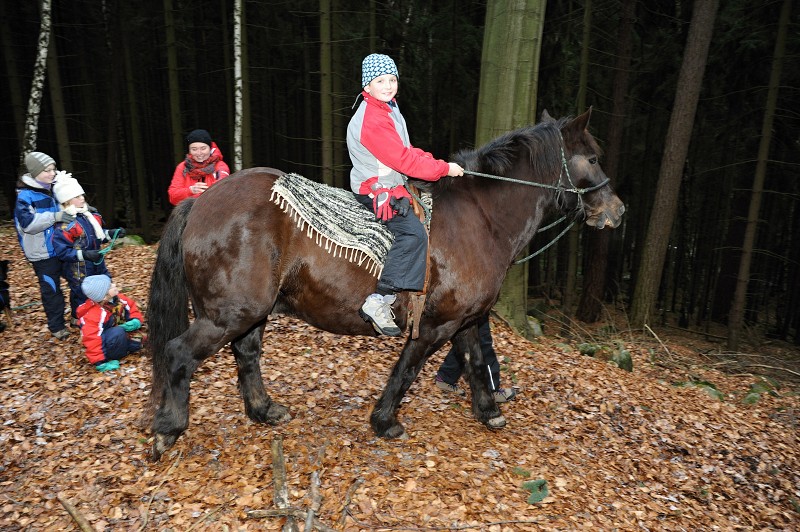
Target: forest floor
(691,439)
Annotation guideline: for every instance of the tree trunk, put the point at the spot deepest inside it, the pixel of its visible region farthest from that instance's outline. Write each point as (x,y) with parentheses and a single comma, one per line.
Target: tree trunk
(238,81)
(596,243)
(736,320)
(37,84)
(173,84)
(574,233)
(676,146)
(326,91)
(507,100)
(59,112)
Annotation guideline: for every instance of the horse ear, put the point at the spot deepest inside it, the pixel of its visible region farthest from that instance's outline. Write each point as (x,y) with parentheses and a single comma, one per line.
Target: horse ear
(579,124)
(546,116)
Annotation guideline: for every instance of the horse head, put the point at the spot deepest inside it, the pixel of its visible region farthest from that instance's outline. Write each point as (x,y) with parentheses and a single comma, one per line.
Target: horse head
(581,170)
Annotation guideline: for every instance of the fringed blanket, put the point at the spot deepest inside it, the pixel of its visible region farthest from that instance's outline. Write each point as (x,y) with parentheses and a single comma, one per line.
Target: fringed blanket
(335,220)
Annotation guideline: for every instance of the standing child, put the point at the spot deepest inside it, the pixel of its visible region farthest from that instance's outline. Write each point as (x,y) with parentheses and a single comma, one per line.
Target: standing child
(35,213)
(381,153)
(78,243)
(202,168)
(108,322)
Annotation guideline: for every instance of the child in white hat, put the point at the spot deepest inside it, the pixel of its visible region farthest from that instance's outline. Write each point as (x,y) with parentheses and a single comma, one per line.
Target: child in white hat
(109,321)
(78,241)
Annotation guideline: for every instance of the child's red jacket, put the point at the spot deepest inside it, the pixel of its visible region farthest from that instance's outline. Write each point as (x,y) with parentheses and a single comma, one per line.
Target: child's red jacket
(96,318)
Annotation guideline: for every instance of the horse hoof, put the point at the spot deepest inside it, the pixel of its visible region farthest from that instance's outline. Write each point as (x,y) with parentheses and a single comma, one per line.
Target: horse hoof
(161,443)
(496,422)
(396,432)
(278,414)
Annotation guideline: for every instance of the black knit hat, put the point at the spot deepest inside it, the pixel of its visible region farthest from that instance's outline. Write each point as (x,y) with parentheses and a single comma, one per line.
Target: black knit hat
(198,135)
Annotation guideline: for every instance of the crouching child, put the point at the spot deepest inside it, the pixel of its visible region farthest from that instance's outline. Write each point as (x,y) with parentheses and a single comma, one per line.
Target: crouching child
(109,321)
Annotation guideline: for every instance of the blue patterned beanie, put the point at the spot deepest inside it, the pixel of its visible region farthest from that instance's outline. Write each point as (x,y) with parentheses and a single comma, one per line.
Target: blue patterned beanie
(375,65)
(95,287)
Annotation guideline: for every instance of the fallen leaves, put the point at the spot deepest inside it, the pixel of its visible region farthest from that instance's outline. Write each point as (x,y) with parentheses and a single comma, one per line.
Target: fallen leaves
(615,449)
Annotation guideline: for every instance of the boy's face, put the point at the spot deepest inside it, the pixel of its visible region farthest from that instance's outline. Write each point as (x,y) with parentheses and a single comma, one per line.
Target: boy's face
(383,88)
(112,291)
(47,175)
(78,201)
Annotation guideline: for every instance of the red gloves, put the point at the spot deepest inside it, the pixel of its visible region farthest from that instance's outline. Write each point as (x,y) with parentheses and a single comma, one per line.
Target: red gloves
(381,196)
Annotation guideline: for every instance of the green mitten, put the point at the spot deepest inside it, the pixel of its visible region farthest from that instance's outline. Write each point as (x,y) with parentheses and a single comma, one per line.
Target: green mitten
(131,325)
(108,366)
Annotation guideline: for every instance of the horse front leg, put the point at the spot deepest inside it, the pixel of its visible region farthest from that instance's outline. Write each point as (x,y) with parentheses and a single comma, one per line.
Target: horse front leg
(384,416)
(185,352)
(257,403)
(484,407)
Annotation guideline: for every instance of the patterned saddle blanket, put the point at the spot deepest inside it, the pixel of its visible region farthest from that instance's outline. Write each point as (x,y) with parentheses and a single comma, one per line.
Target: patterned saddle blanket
(335,220)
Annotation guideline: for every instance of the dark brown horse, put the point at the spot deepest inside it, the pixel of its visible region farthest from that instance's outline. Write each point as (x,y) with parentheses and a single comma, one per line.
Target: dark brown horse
(238,257)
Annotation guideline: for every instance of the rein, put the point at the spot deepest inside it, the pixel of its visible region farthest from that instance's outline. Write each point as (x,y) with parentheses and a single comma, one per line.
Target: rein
(579,191)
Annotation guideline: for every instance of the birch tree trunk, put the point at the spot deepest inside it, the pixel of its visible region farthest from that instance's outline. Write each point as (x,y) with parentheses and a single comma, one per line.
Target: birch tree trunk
(676,147)
(507,99)
(37,85)
(238,8)
(736,320)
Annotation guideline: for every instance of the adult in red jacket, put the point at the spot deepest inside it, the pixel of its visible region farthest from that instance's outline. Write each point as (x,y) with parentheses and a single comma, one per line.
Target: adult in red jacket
(202,168)
(109,323)
(381,153)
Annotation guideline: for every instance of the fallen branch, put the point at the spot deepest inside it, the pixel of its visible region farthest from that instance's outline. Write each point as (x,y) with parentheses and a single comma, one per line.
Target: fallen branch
(316,501)
(281,493)
(345,509)
(772,367)
(657,338)
(81,521)
(291,512)
(163,480)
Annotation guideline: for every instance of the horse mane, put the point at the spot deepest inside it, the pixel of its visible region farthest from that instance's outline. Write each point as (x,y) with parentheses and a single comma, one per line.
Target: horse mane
(498,156)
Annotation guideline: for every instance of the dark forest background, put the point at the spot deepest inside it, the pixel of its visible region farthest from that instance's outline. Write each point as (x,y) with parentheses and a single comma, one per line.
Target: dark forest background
(110,58)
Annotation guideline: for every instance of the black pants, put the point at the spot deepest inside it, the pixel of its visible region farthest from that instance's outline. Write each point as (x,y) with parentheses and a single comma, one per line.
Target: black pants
(453,366)
(49,273)
(405,263)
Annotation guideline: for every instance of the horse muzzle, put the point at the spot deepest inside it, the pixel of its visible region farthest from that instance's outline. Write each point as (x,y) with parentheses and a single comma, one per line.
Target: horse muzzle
(610,216)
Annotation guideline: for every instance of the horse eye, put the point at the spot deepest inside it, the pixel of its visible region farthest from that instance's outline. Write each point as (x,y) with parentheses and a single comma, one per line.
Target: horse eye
(593,159)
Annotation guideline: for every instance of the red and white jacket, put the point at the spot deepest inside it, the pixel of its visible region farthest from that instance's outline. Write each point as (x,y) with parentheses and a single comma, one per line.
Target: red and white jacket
(96,318)
(379,147)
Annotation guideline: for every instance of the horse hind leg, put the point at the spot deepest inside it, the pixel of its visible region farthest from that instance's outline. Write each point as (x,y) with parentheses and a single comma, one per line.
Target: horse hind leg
(257,403)
(185,353)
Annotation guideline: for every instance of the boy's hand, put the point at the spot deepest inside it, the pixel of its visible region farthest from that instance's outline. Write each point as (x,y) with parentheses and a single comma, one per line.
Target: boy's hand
(65,217)
(131,325)
(90,255)
(455,170)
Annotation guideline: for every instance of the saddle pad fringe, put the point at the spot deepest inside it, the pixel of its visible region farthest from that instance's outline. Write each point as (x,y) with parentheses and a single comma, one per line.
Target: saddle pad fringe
(335,220)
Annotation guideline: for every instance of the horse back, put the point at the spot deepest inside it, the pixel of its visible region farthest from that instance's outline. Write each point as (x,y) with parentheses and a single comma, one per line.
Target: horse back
(246,257)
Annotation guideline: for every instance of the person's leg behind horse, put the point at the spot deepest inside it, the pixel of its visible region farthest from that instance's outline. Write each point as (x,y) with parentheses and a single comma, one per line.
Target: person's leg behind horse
(450,371)
(484,407)
(501,395)
(257,403)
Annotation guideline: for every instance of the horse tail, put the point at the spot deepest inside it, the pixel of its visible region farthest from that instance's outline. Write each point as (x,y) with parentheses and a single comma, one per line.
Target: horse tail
(168,308)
